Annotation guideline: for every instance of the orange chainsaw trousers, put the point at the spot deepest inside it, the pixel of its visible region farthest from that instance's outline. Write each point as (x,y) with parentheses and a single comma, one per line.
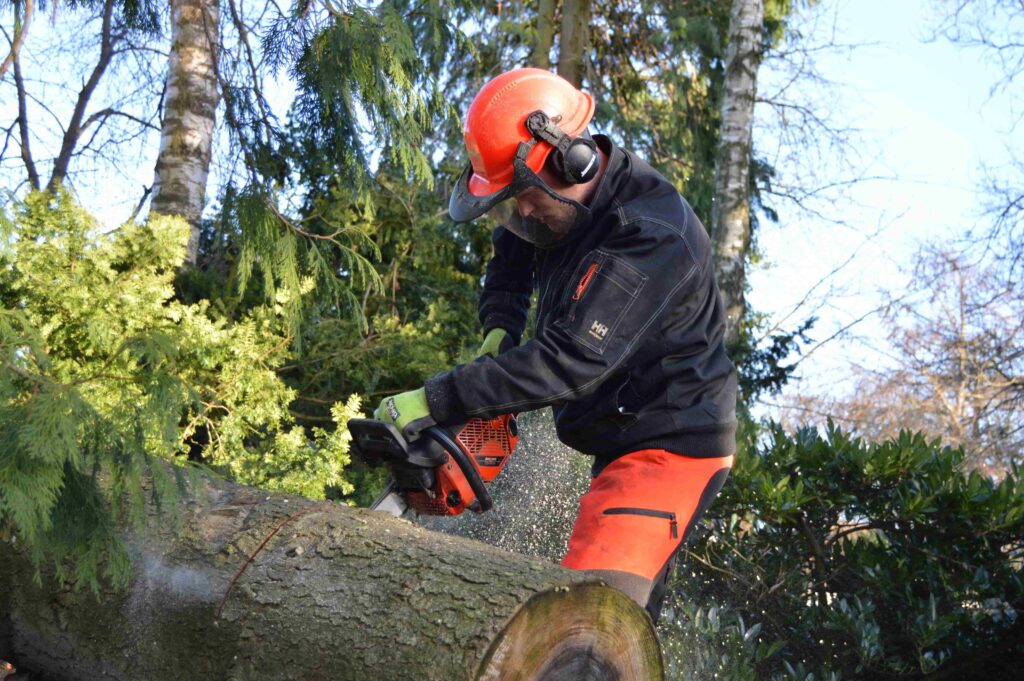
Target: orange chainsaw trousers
(636,515)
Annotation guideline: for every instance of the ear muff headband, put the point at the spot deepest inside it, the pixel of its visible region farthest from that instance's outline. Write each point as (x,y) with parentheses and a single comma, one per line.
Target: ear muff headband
(577,158)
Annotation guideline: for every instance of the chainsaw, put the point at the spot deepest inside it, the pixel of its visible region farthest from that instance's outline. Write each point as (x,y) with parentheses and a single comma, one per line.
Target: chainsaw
(443,472)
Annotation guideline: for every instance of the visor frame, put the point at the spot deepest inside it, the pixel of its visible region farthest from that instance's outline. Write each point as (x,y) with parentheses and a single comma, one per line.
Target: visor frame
(464,205)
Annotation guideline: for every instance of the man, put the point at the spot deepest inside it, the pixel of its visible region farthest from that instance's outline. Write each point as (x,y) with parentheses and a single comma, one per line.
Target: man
(628,346)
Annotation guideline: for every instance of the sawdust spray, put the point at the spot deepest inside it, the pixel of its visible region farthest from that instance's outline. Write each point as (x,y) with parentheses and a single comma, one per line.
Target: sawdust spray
(536,497)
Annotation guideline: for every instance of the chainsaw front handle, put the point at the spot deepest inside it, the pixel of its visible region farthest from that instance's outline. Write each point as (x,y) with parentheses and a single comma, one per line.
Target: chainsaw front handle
(476,483)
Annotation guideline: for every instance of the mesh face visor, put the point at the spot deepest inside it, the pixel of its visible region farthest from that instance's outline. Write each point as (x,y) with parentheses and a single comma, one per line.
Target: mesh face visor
(558,218)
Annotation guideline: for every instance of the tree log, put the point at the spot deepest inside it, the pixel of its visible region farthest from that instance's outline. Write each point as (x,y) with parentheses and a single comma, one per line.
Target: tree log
(330,593)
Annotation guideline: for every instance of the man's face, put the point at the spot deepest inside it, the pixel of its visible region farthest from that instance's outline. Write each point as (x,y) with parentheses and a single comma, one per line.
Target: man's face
(537,204)
(544,215)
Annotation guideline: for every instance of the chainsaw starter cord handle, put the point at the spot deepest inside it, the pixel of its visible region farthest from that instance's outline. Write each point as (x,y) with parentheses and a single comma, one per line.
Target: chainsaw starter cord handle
(465,465)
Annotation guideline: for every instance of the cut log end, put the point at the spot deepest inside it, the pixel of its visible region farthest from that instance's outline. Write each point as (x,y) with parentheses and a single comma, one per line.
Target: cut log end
(588,632)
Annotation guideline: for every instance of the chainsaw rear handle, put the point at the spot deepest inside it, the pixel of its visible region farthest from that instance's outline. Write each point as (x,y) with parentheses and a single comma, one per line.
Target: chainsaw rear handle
(476,483)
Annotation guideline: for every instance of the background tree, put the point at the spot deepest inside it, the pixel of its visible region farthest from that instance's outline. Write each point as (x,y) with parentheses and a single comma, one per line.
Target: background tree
(953,341)
(541,54)
(955,369)
(191,98)
(574,40)
(103,372)
(238,422)
(107,102)
(993,28)
(730,213)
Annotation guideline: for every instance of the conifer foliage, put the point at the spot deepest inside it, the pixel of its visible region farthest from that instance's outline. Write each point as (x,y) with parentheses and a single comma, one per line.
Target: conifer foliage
(368,95)
(104,372)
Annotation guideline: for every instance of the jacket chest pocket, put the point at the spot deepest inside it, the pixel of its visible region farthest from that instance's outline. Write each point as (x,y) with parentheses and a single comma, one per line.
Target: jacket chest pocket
(597,298)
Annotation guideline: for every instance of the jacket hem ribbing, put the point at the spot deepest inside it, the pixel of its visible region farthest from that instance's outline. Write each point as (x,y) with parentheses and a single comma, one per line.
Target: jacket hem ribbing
(696,445)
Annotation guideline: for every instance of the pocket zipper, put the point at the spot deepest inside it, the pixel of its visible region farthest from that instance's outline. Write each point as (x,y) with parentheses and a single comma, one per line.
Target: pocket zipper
(649,513)
(584,281)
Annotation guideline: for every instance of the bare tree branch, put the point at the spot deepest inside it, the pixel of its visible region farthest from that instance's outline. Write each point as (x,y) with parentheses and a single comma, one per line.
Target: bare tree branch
(26,151)
(103,114)
(254,74)
(993,26)
(810,291)
(146,191)
(957,368)
(74,128)
(19,38)
(8,132)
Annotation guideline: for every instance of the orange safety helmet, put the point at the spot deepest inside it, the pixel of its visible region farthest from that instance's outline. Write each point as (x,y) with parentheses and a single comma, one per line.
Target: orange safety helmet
(519,118)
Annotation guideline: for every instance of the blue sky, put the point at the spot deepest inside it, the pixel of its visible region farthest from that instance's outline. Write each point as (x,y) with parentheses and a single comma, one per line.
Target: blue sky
(927,122)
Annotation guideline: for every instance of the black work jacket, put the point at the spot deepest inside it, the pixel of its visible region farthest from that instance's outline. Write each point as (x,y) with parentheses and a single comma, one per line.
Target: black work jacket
(628,348)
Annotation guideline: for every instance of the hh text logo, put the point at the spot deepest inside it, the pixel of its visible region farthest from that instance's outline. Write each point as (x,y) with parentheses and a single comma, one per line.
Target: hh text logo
(598,330)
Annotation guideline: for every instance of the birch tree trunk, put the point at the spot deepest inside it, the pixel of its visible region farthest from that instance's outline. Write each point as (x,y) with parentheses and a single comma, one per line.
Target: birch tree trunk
(730,215)
(191,100)
(263,586)
(541,57)
(575,40)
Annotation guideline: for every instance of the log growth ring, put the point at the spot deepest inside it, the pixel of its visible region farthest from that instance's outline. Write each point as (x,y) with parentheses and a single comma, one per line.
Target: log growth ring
(588,632)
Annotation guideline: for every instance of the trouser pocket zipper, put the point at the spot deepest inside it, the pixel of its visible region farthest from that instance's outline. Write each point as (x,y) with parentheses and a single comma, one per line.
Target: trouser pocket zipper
(650,513)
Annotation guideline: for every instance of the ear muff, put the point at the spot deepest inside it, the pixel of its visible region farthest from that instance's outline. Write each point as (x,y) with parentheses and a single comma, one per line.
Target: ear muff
(576,157)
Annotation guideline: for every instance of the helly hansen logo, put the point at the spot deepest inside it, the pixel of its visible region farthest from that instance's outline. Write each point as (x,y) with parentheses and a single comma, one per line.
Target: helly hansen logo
(598,330)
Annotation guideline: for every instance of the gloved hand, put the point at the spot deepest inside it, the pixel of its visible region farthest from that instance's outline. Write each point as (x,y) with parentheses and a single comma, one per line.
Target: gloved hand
(496,342)
(407,411)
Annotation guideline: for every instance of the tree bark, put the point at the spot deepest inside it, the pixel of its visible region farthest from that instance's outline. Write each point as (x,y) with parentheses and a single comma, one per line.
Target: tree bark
(541,57)
(575,40)
(23,129)
(192,97)
(730,215)
(335,593)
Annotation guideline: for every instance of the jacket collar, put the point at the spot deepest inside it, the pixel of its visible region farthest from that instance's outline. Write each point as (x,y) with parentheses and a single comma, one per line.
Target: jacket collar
(614,176)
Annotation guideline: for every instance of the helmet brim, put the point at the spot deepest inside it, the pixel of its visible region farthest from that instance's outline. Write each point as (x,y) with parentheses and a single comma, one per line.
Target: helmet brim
(464,205)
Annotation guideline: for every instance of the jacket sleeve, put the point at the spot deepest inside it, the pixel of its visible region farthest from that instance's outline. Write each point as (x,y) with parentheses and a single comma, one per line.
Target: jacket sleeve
(619,296)
(505,301)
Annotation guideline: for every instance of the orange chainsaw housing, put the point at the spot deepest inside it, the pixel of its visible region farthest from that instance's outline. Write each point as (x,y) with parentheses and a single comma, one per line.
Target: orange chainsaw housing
(488,443)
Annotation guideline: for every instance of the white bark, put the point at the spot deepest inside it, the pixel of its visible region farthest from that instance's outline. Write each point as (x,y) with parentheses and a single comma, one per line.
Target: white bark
(730,216)
(191,101)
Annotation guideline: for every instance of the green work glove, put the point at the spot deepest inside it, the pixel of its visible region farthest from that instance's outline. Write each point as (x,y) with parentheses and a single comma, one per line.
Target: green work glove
(407,411)
(496,342)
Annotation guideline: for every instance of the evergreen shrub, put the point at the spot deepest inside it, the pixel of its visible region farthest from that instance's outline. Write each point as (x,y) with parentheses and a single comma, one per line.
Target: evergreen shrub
(104,371)
(827,557)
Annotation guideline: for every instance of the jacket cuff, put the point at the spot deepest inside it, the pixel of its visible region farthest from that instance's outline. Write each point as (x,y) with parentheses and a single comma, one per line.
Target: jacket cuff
(442,398)
(497,320)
